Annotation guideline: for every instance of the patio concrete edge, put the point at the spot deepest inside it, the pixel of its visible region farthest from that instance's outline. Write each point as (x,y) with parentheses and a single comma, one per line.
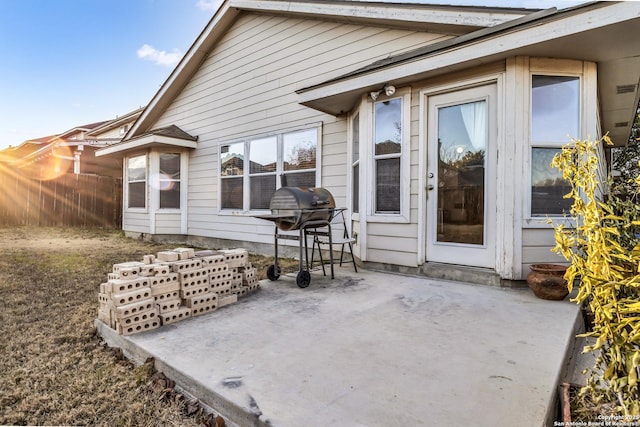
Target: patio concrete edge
(578,327)
(184,383)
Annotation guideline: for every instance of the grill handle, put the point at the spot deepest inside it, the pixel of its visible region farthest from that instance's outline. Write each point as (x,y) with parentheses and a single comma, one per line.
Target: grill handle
(320,202)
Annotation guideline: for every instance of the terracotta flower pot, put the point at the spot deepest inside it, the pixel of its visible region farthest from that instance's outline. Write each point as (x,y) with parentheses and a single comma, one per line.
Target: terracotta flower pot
(547,281)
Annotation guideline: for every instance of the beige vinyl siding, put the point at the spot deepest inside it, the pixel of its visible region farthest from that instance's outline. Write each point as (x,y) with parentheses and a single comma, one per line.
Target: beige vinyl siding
(386,256)
(246,87)
(168,223)
(536,248)
(136,221)
(334,160)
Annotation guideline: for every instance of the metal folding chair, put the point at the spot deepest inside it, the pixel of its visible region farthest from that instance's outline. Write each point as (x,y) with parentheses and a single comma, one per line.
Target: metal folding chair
(321,238)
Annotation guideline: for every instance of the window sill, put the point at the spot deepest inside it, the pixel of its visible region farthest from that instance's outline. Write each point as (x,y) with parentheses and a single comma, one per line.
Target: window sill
(541,222)
(389,218)
(136,210)
(235,212)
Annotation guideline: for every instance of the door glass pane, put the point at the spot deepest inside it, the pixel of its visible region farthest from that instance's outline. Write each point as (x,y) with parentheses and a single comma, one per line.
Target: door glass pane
(462,144)
(555,108)
(547,185)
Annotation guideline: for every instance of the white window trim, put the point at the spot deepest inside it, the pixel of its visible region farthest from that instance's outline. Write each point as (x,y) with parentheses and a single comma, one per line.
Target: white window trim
(560,68)
(351,178)
(156,175)
(366,149)
(125,198)
(246,196)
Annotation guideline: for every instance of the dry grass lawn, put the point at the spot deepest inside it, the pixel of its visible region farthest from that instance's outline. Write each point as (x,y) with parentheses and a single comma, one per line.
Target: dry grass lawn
(53,368)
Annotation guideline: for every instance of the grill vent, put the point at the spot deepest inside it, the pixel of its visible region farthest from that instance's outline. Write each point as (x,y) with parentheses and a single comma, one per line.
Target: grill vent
(621,124)
(625,89)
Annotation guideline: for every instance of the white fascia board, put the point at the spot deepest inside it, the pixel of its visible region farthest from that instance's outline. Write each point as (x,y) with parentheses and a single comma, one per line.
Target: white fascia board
(432,14)
(479,50)
(146,141)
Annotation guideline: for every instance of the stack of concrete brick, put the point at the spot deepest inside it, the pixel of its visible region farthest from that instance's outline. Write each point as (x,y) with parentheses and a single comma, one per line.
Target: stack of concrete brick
(172,286)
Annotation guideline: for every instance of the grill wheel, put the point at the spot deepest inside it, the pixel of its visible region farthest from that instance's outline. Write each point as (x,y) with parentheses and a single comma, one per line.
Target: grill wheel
(273,272)
(303,278)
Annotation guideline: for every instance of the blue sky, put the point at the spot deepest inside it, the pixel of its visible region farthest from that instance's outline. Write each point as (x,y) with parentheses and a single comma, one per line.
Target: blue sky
(65,63)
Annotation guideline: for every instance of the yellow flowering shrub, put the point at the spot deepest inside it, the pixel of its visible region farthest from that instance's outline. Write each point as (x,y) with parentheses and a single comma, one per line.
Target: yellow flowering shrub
(603,247)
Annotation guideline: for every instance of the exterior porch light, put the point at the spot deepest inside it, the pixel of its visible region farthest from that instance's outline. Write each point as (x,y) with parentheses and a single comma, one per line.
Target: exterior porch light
(387,88)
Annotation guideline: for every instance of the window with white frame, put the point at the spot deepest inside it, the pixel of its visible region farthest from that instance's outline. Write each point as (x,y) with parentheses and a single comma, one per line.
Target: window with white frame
(137,182)
(263,156)
(387,156)
(285,159)
(555,118)
(355,163)
(169,181)
(231,175)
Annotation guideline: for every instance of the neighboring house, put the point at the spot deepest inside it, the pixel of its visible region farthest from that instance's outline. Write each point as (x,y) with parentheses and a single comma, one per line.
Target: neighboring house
(434,126)
(10,156)
(72,151)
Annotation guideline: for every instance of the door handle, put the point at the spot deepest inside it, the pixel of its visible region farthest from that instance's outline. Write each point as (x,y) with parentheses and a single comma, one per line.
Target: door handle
(429,187)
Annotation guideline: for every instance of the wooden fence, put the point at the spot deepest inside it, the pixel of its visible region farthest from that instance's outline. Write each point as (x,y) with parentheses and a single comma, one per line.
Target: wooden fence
(70,200)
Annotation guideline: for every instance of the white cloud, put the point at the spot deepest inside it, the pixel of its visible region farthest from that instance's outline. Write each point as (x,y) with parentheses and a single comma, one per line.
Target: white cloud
(160,57)
(209,4)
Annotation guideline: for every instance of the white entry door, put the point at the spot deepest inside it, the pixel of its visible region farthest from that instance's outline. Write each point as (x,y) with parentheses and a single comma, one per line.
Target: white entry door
(461,187)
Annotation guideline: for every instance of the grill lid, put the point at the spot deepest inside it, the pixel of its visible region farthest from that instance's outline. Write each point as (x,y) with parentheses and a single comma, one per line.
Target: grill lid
(292,207)
(296,198)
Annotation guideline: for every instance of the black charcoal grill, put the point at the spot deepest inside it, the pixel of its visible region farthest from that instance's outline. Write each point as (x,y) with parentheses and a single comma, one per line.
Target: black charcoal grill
(299,208)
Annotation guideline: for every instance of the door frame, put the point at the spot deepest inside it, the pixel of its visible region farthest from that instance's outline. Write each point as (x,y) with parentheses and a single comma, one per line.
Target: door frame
(498,80)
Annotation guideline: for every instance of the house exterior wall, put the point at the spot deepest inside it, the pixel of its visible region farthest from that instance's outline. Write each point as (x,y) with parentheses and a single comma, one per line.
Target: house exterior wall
(522,240)
(246,87)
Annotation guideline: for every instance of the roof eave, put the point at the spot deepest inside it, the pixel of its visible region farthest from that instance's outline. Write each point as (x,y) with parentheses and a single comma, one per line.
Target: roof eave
(458,19)
(446,18)
(133,115)
(146,142)
(339,95)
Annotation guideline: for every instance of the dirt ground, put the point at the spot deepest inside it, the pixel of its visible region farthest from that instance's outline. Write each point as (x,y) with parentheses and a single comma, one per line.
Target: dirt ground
(54,370)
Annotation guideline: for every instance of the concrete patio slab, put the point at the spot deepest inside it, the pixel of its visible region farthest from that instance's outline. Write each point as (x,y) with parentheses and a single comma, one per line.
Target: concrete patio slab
(370,349)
